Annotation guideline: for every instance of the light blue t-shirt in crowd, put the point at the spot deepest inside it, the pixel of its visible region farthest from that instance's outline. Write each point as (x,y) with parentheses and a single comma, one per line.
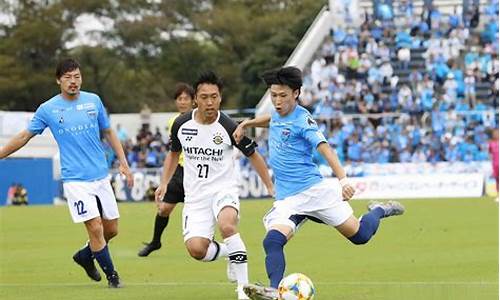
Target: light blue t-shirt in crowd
(76,126)
(291,142)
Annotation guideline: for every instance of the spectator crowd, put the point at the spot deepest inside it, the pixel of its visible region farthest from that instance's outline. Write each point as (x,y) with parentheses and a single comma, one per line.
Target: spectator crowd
(405,87)
(401,87)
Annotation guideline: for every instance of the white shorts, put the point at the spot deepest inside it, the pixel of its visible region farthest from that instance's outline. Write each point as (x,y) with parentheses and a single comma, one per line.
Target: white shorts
(199,218)
(82,200)
(322,203)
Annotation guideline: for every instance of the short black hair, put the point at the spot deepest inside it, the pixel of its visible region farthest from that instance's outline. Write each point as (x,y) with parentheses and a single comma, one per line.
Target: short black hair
(66,65)
(209,77)
(289,76)
(182,87)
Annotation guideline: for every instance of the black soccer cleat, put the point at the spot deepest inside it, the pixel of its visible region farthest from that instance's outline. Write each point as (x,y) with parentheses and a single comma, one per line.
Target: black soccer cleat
(114,281)
(150,247)
(88,266)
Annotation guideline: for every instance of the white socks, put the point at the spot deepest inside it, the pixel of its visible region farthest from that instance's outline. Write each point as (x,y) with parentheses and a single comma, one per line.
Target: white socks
(237,253)
(215,251)
(233,248)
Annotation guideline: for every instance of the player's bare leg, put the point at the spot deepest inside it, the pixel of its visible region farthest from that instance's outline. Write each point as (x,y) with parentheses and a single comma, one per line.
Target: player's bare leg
(197,247)
(110,228)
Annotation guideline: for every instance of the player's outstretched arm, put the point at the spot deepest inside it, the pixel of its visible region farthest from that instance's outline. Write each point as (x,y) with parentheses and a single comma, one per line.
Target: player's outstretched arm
(260,166)
(16,143)
(261,121)
(333,160)
(169,165)
(113,140)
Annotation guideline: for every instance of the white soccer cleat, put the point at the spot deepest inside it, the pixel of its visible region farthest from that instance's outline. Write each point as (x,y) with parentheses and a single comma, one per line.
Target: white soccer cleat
(391,208)
(258,292)
(231,273)
(241,293)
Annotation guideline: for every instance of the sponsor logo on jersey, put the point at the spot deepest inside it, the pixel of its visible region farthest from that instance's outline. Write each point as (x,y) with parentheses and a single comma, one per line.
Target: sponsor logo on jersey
(77,129)
(218,138)
(203,151)
(85,106)
(189,131)
(278,123)
(61,110)
(285,134)
(92,114)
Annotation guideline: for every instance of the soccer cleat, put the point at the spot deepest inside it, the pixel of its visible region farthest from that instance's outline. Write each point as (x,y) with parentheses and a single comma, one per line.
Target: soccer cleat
(114,281)
(231,274)
(88,266)
(258,292)
(391,208)
(241,293)
(150,247)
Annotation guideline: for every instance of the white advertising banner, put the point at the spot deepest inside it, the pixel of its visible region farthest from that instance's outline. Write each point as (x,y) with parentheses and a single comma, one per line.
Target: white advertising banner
(370,187)
(418,186)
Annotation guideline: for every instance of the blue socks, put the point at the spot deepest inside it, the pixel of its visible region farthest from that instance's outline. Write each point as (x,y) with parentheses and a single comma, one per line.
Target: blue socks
(85,253)
(104,259)
(367,226)
(275,258)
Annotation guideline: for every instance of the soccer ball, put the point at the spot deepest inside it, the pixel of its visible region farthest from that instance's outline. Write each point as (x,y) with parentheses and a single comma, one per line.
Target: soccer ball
(296,286)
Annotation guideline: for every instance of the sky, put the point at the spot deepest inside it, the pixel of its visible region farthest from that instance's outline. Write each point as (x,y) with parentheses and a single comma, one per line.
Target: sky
(88,27)
(89,30)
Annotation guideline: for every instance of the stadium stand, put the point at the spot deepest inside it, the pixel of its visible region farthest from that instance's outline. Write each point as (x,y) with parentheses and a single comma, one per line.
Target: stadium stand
(408,87)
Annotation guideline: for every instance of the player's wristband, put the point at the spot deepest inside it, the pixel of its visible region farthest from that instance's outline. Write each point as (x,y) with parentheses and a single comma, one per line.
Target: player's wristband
(344,181)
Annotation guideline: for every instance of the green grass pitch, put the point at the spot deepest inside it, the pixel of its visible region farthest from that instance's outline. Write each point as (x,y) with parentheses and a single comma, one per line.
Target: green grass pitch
(440,249)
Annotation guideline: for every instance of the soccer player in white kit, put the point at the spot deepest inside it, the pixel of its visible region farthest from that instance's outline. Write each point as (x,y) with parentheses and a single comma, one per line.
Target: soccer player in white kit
(210,183)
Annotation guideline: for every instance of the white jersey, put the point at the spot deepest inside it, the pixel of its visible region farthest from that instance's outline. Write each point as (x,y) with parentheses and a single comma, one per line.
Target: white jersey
(208,155)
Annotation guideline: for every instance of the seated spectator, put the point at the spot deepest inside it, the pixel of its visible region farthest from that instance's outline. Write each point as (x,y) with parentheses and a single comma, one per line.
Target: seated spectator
(351,40)
(377,30)
(384,12)
(454,19)
(470,88)
(404,56)
(441,69)
(450,86)
(403,39)
(386,71)
(371,47)
(383,52)
(471,59)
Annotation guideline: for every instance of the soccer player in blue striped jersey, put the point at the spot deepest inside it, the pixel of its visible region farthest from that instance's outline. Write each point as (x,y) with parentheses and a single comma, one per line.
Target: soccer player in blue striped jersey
(301,192)
(77,119)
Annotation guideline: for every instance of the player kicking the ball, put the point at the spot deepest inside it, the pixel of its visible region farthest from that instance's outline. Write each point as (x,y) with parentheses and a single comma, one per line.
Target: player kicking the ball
(301,191)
